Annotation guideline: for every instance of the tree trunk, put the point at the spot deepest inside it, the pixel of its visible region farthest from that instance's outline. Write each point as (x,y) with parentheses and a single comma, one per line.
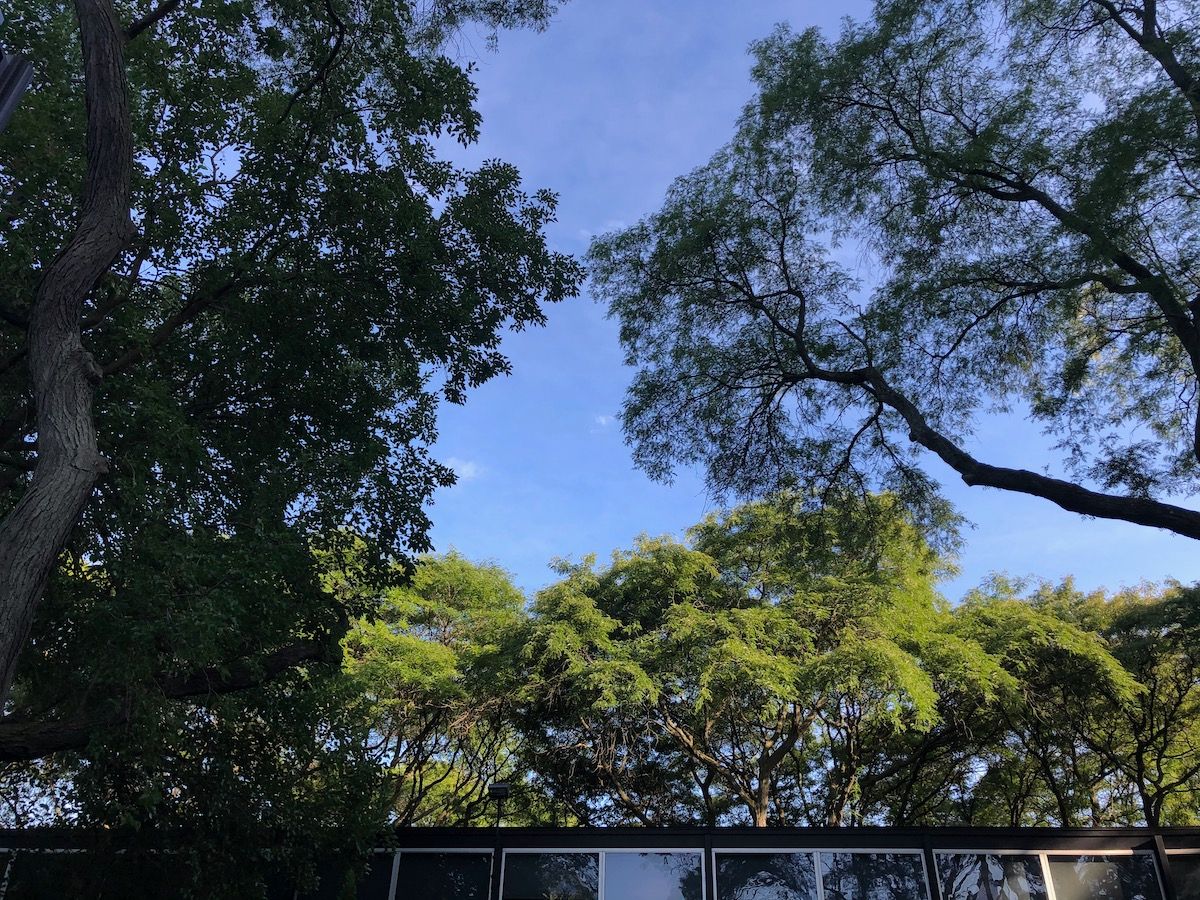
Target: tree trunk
(63,374)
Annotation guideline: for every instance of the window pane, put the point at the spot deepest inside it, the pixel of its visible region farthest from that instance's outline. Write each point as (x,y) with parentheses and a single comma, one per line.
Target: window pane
(873,876)
(97,876)
(453,876)
(1185,872)
(371,883)
(551,876)
(990,876)
(376,881)
(1104,877)
(766,876)
(652,876)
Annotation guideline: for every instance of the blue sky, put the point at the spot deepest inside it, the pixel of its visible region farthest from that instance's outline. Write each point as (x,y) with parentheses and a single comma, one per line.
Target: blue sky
(616,99)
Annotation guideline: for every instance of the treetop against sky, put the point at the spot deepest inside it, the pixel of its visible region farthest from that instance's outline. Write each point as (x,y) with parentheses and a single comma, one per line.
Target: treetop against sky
(654,89)
(223,390)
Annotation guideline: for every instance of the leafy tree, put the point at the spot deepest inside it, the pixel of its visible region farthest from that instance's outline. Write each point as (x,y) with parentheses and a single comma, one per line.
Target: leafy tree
(227,328)
(240,281)
(1061,672)
(435,668)
(1153,742)
(1105,715)
(747,669)
(1021,176)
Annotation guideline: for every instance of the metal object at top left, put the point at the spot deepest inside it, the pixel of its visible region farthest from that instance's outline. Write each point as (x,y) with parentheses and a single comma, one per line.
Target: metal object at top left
(16,73)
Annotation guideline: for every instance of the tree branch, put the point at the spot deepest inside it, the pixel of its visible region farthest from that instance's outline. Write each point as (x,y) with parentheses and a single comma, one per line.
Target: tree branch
(1071,497)
(24,739)
(151,18)
(62,373)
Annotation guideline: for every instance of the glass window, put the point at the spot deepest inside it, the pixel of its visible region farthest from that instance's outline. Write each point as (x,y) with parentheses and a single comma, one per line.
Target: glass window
(1104,877)
(376,881)
(652,876)
(551,876)
(873,876)
(102,876)
(371,883)
(990,876)
(452,876)
(1185,872)
(766,876)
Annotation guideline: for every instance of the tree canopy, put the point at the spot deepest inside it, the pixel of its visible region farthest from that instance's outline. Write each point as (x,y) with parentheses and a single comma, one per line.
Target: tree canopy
(241,277)
(792,664)
(742,676)
(434,672)
(1021,177)
(785,664)
(302,282)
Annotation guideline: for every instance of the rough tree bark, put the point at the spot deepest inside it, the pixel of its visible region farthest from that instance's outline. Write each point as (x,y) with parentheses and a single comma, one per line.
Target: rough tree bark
(63,375)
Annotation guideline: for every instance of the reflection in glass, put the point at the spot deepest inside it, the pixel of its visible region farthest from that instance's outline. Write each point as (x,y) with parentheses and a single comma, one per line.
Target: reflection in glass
(371,884)
(873,876)
(447,876)
(652,876)
(38,875)
(766,876)
(1104,877)
(990,876)
(552,876)
(1185,872)
(374,883)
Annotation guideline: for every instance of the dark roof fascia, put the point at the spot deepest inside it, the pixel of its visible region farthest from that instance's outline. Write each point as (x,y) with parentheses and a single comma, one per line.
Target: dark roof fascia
(862,838)
(589,838)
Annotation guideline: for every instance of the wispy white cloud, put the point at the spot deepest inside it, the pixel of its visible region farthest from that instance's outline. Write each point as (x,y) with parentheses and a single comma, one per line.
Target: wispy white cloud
(465,469)
(602,423)
(586,234)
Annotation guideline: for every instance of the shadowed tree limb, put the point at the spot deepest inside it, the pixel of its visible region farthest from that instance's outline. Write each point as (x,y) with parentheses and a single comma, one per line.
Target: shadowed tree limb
(63,374)
(24,739)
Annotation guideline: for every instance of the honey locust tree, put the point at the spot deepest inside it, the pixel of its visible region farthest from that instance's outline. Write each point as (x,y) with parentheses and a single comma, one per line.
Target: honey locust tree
(1102,729)
(747,675)
(432,672)
(1021,176)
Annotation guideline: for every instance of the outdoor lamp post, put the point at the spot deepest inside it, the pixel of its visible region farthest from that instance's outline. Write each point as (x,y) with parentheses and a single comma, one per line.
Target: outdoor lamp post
(499,791)
(15,74)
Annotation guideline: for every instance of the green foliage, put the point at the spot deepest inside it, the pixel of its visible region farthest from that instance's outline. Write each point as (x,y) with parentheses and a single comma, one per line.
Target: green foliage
(1106,705)
(777,641)
(794,664)
(1021,177)
(432,673)
(788,664)
(309,281)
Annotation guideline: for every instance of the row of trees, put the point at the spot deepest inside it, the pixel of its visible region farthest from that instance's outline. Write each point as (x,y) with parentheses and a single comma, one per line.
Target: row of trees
(787,665)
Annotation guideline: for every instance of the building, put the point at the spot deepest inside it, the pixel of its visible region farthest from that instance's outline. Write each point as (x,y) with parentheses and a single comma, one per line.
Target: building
(703,864)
